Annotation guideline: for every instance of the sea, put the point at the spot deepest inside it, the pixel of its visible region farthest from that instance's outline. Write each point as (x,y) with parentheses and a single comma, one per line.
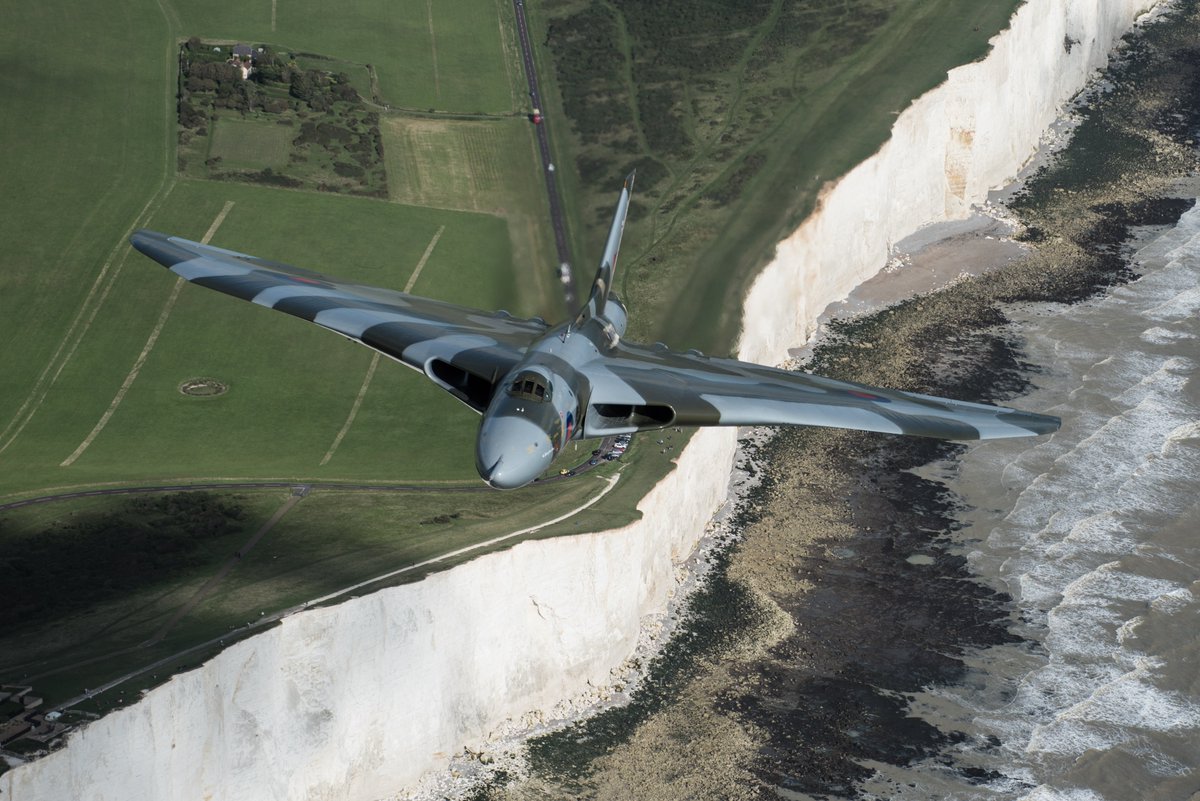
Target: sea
(1094,532)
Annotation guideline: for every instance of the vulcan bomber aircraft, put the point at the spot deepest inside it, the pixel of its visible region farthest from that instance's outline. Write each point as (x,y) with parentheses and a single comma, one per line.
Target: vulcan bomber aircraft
(537,386)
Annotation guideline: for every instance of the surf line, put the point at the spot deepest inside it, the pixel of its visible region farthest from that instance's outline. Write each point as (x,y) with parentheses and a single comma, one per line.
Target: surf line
(141,359)
(366,384)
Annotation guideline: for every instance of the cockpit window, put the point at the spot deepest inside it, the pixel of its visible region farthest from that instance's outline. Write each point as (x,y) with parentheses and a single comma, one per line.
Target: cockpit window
(530,386)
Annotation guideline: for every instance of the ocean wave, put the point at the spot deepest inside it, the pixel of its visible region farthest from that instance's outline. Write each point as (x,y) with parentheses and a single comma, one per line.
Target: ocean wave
(1094,538)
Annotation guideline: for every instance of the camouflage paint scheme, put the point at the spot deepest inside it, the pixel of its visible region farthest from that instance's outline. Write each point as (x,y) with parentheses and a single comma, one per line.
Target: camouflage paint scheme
(537,387)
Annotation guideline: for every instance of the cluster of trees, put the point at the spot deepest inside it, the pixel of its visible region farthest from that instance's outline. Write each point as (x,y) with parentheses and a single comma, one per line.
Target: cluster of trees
(319,89)
(361,144)
(208,80)
(338,135)
(79,562)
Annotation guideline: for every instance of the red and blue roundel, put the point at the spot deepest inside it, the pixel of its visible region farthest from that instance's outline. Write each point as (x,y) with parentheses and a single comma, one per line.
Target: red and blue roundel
(855,393)
(570,425)
(300,279)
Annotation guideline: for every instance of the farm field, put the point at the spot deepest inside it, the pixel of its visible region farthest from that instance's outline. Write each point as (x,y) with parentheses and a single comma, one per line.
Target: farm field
(72,190)
(291,385)
(455,55)
(494,175)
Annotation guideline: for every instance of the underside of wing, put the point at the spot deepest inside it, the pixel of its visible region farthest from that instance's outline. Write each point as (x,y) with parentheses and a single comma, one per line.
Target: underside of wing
(644,388)
(464,351)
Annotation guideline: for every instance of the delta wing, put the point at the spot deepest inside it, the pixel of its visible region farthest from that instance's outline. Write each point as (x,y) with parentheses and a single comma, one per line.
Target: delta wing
(650,387)
(463,350)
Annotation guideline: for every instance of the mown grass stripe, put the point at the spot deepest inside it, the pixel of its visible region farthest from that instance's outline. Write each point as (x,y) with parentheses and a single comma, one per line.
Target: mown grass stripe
(366,384)
(141,359)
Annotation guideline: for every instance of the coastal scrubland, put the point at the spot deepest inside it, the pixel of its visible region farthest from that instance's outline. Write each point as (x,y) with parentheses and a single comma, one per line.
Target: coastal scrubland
(735,116)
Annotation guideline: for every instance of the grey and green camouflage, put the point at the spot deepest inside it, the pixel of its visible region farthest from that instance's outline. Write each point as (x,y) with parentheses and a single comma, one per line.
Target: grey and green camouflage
(537,387)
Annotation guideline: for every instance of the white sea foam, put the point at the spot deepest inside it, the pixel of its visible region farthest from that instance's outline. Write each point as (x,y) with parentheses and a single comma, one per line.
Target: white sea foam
(1156,762)
(1174,601)
(1063,794)
(1163,336)
(1180,307)
(1092,540)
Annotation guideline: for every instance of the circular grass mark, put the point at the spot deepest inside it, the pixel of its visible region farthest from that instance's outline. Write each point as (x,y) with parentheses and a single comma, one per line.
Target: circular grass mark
(203,387)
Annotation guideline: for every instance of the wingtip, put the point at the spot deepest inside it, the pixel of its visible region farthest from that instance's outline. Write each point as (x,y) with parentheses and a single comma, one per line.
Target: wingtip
(1037,424)
(158,247)
(143,235)
(629,180)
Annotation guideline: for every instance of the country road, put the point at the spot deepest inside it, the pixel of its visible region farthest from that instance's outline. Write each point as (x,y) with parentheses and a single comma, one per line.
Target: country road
(542,130)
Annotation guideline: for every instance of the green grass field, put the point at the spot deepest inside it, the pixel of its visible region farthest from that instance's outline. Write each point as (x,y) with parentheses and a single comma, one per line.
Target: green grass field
(87,140)
(250,144)
(291,385)
(98,343)
(487,165)
(328,541)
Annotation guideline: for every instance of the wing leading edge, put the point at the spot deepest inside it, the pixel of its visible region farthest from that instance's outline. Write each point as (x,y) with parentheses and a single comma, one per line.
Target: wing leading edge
(648,388)
(463,350)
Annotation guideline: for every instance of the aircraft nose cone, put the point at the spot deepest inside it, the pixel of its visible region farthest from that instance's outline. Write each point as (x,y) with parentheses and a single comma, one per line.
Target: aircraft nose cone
(512,452)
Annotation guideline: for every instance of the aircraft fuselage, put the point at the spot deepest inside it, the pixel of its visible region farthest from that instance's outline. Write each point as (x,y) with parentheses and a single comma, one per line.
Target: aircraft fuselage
(539,406)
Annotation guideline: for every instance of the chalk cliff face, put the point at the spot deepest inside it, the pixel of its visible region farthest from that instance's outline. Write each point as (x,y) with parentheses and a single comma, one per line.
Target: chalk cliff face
(358,700)
(947,149)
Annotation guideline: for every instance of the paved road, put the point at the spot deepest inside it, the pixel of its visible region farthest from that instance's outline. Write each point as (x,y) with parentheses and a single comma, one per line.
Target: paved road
(543,136)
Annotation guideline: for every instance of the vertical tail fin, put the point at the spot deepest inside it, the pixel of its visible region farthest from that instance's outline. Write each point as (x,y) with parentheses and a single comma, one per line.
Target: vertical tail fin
(602,283)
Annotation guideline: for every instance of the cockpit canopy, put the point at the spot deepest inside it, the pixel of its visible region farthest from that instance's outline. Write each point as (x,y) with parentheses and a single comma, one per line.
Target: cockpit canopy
(530,385)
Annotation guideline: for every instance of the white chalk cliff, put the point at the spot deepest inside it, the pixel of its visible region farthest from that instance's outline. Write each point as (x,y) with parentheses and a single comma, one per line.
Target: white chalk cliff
(359,700)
